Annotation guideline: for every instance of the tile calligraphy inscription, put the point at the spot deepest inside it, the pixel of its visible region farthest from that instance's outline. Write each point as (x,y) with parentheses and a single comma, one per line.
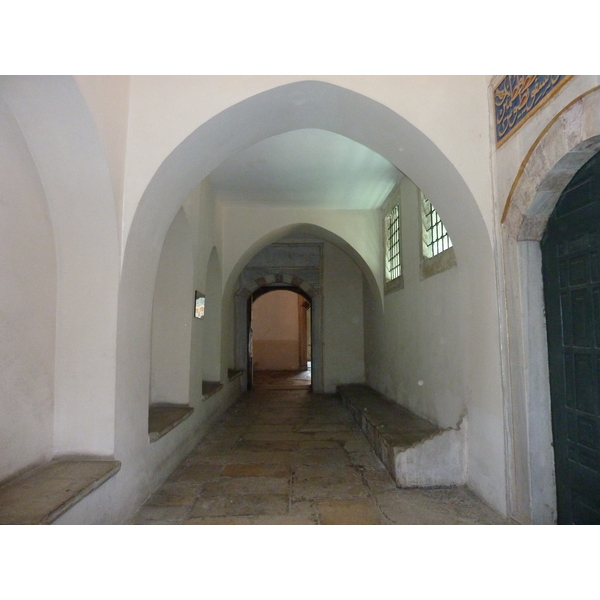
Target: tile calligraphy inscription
(517,97)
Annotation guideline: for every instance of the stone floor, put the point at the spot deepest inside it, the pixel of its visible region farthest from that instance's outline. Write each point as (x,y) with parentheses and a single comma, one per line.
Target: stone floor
(292,457)
(282,380)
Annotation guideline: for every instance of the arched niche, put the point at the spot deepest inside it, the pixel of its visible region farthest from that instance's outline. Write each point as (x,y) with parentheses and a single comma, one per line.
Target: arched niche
(64,144)
(570,139)
(27,306)
(172,314)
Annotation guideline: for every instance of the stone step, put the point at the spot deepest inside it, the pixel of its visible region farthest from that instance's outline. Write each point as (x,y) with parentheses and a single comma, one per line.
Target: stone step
(416,452)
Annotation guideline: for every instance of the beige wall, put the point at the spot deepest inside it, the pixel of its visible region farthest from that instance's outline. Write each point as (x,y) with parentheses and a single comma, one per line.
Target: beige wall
(275,332)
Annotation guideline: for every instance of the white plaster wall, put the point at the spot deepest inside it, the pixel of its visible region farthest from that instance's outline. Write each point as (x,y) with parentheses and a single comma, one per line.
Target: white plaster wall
(211,343)
(172,315)
(433,350)
(27,306)
(108,99)
(343,332)
(206,360)
(275,333)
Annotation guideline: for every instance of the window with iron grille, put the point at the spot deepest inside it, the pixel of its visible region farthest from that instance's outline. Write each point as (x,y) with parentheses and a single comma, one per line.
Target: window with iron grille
(393,244)
(435,237)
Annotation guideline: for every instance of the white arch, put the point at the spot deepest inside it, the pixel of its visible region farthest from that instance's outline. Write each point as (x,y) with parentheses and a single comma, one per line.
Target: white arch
(312,104)
(65,146)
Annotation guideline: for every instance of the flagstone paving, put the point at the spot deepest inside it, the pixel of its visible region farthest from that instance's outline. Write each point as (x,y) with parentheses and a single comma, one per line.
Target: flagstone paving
(286,457)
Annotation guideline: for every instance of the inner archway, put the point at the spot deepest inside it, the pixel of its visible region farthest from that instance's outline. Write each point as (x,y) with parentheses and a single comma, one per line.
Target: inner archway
(280,335)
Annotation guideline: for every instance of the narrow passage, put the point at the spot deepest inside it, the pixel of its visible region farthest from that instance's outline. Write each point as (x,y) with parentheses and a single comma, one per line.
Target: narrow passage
(291,457)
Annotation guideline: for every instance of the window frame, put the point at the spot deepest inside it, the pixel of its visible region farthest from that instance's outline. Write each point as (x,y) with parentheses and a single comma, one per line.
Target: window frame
(444,259)
(393,202)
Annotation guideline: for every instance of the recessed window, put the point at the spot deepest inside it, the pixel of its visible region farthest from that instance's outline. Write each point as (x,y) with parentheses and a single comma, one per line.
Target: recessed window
(435,236)
(437,251)
(393,242)
(394,250)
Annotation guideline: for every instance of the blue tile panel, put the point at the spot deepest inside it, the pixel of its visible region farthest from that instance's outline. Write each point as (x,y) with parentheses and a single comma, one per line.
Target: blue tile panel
(517,97)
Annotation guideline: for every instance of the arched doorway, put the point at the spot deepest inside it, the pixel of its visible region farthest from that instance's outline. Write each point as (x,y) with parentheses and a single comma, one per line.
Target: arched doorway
(550,165)
(279,339)
(571,271)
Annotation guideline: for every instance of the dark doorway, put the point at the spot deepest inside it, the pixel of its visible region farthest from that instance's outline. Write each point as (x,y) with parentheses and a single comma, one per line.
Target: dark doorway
(571,270)
(279,341)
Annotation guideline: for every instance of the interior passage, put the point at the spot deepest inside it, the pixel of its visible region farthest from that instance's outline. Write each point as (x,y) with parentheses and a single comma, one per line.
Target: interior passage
(292,457)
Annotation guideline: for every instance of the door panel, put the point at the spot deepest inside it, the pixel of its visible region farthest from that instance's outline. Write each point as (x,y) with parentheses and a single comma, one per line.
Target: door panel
(571,265)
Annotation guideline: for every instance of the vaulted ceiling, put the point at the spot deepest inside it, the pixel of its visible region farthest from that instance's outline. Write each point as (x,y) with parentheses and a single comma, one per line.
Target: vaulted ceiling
(309,168)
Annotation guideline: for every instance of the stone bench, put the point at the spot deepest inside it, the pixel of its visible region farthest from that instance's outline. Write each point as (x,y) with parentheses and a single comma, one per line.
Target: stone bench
(41,495)
(210,388)
(416,452)
(162,418)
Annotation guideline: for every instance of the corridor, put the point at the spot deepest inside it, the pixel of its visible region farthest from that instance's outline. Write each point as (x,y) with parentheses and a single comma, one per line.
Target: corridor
(289,457)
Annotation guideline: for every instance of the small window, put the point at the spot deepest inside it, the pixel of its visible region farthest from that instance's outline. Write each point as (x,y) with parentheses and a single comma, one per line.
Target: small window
(392,234)
(435,236)
(393,245)
(437,251)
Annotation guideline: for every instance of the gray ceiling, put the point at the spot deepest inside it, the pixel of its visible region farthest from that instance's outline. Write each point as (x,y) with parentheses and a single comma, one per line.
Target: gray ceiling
(308,168)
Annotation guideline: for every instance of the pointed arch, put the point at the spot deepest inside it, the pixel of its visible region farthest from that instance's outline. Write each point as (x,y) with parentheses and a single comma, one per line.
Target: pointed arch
(314,104)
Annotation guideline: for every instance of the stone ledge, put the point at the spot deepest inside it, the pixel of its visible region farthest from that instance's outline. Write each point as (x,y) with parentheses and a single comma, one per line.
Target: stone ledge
(416,452)
(234,374)
(164,417)
(210,388)
(41,495)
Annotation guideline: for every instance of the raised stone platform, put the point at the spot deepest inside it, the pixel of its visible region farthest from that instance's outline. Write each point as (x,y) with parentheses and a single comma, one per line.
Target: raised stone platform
(210,388)
(164,417)
(416,452)
(40,496)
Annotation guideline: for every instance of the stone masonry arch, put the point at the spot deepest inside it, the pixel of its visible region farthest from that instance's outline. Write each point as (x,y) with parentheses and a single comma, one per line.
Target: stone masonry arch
(569,140)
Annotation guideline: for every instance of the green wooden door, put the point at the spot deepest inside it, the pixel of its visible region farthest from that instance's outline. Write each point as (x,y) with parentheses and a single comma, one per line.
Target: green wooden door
(571,270)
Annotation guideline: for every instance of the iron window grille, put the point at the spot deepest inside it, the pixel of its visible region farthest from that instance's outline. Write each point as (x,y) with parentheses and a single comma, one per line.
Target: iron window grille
(435,237)
(393,245)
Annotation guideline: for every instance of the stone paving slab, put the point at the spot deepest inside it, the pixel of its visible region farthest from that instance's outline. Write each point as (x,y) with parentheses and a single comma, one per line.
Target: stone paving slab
(260,470)
(241,505)
(316,468)
(349,512)
(247,485)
